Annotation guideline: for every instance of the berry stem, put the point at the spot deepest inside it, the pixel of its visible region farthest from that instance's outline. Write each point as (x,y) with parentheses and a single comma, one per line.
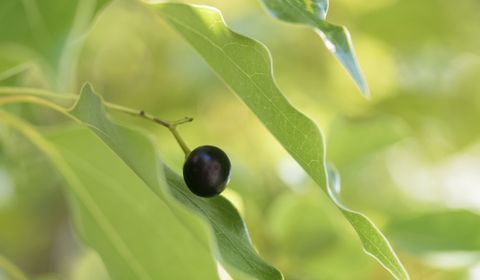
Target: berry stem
(172,126)
(180,141)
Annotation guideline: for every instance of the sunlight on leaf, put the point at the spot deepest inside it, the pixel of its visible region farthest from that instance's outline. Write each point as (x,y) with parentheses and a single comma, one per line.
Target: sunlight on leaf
(336,38)
(245,66)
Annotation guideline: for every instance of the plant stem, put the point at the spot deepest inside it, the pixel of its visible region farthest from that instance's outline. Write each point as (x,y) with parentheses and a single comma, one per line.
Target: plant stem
(172,126)
(180,141)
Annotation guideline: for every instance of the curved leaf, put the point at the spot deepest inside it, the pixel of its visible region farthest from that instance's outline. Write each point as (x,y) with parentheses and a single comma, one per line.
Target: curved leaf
(235,249)
(297,11)
(118,215)
(232,242)
(374,242)
(336,38)
(245,66)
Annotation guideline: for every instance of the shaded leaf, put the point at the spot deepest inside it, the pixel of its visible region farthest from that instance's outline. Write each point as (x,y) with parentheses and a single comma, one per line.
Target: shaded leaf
(137,235)
(47,29)
(232,241)
(245,66)
(336,38)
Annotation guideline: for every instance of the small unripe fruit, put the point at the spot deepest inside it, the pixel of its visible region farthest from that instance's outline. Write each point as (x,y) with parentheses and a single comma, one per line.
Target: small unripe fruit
(206,171)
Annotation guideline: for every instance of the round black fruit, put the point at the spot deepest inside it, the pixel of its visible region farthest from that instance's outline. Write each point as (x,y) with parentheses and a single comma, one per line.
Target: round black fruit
(207,171)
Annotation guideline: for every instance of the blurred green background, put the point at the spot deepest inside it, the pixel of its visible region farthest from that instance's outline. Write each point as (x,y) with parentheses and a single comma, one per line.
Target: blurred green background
(409,157)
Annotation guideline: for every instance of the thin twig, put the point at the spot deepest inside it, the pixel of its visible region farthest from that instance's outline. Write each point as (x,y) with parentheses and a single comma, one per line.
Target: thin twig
(172,126)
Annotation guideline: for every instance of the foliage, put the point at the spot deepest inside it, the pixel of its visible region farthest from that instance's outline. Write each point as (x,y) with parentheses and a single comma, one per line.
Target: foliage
(336,38)
(404,156)
(246,67)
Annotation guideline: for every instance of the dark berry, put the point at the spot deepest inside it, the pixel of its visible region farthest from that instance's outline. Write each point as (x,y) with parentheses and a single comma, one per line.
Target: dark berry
(206,171)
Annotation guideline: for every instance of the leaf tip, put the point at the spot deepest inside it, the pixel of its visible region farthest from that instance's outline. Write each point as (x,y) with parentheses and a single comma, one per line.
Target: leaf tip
(365,91)
(87,87)
(88,97)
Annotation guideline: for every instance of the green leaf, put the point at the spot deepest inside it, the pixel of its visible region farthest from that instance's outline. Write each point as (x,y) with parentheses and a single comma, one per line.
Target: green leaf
(374,242)
(231,240)
(47,30)
(336,38)
(245,66)
(297,11)
(137,235)
(235,250)
(446,231)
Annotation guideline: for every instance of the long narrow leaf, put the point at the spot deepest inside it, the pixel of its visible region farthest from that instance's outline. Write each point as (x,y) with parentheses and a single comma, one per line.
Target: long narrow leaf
(336,38)
(235,250)
(245,66)
(117,215)
(231,240)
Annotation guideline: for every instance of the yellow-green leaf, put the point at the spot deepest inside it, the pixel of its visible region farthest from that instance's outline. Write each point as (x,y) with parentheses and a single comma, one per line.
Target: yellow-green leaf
(232,243)
(245,66)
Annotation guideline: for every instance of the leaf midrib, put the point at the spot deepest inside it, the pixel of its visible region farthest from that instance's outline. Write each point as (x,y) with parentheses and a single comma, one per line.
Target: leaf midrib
(297,157)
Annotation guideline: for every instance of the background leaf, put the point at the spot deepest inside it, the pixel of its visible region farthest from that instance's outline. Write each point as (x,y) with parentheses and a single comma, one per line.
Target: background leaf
(371,134)
(46,31)
(245,66)
(337,39)
(89,265)
(7,268)
(445,231)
